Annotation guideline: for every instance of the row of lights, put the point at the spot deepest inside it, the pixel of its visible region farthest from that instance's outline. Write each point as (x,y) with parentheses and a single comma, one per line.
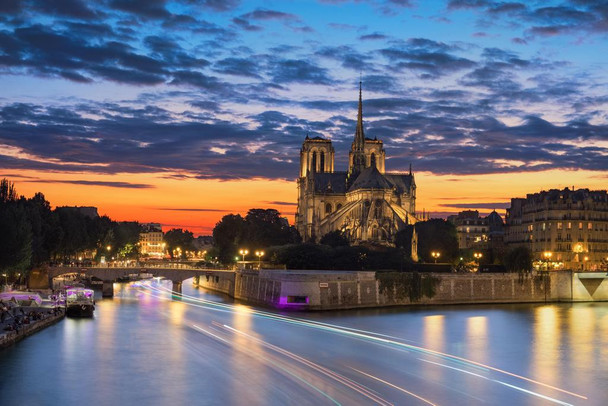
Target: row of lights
(437,254)
(258,254)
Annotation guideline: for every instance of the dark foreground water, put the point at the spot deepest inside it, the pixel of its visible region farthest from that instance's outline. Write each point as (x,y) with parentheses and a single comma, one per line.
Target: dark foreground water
(142,348)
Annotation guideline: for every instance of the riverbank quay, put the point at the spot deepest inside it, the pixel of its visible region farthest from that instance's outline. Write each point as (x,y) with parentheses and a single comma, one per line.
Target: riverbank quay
(20,322)
(334,290)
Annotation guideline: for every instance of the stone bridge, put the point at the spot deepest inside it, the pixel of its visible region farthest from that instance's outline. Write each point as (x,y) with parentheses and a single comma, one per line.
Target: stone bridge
(177,274)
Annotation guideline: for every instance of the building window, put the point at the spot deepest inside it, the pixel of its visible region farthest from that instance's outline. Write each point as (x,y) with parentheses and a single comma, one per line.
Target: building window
(314,162)
(338,207)
(322,162)
(559,225)
(372,159)
(580,226)
(328,208)
(569,225)
(589,226)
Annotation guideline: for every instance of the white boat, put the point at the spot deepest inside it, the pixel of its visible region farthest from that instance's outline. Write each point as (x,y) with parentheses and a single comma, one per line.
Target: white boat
(79,302)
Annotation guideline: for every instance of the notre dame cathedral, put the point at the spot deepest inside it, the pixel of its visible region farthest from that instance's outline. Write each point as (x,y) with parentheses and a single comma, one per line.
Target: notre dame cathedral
(366,203)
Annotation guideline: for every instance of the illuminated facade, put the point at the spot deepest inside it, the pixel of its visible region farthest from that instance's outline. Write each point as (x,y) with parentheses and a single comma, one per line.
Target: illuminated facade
(151,242)
(474,231)
(564,229)
(365,202)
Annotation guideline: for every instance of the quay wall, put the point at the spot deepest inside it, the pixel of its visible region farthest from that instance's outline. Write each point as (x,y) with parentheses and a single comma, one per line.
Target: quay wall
(331,290)
(222,282)
(8,338)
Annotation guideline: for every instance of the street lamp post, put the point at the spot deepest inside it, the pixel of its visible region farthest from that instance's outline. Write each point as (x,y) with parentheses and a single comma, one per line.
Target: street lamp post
(478,256)
(435,254)
(585,259)
(259,254)
(243,252)
(547,255)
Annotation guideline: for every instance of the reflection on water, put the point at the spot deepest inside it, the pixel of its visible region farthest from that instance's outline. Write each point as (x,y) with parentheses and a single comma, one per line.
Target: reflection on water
(144,347)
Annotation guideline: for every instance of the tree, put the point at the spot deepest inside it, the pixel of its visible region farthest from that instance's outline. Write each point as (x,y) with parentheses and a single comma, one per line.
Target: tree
(178,238)
(227,234)
(46,232)
(518,259)
(266,228)
(335,238)
(437,235)
(16,234)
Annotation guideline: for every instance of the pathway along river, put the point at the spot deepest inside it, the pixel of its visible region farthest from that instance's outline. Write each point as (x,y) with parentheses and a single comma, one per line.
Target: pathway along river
(145,348)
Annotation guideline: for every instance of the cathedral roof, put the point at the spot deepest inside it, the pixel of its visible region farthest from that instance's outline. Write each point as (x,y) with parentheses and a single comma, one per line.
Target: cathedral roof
(334,182)
(370,178)
(401,181)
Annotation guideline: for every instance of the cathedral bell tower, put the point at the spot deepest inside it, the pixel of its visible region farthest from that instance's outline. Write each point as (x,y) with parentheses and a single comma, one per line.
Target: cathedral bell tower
(316,156)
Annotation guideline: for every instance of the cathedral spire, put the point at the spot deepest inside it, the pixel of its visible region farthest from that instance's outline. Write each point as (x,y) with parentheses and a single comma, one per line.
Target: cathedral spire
(358,146)
(359,135)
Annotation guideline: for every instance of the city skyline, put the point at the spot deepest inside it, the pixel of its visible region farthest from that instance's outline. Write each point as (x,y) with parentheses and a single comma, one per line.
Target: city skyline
(180,112)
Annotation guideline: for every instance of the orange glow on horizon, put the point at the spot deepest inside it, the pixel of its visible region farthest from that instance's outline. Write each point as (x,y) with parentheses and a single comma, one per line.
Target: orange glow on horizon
(198,205)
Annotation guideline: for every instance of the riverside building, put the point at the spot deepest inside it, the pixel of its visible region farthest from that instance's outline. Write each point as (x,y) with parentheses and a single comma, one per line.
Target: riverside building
(151,242)
(564,229)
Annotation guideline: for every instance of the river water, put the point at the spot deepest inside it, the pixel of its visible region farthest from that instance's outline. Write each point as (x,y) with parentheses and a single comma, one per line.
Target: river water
(145,347)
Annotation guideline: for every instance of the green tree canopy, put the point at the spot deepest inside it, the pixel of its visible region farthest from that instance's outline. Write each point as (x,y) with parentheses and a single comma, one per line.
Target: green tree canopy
(335,238)
(260,229)
(437,235)
(178,238)
(518,259)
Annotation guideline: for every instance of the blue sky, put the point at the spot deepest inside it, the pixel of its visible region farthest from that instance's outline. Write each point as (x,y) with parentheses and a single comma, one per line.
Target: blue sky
(227,90)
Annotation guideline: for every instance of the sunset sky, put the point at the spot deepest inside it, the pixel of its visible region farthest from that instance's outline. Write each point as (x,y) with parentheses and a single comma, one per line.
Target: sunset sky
(180,112)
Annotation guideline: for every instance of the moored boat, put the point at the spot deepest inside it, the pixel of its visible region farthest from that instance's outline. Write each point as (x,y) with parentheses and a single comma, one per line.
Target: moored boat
(79,302)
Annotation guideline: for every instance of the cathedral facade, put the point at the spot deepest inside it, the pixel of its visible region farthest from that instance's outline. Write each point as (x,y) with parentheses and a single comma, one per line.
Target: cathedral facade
(366,203)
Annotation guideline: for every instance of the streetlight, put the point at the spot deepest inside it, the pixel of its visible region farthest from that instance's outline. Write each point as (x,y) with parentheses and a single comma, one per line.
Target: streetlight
(243,252)
(109,247)
(478,256)
(259,254)
(547,256)
(435,254)
(585,259)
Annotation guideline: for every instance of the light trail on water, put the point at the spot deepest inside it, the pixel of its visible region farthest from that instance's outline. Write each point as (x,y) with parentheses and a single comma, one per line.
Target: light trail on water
(363,335)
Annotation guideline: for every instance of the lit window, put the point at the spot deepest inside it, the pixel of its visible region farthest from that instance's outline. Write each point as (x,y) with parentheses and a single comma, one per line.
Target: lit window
(569,225)
(580,226)
(589,226)
(559,226)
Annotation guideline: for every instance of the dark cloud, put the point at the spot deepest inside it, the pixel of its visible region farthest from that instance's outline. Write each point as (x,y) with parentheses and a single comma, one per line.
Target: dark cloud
(120,185)
(282,203)
(299,71)
(65,8)
(566,18)
(265,14)
(190,209)
(142,8)
(246,25)
(238,66)
(497,205)
(373,37)
(348,56)
(216,5)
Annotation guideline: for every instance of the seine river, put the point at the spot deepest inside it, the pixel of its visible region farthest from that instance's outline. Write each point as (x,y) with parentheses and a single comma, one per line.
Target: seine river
(145,348)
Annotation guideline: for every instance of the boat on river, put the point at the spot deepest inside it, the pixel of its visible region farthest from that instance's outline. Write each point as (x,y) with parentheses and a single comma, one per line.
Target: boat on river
(79,302)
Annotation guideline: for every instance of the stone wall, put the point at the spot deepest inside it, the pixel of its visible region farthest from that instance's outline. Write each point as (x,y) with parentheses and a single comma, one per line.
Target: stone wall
(327,290)
(217,281)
